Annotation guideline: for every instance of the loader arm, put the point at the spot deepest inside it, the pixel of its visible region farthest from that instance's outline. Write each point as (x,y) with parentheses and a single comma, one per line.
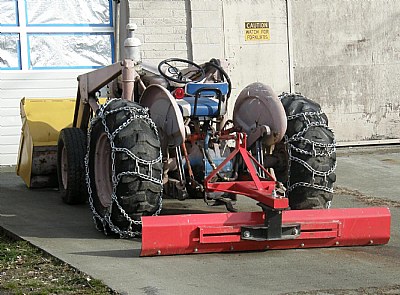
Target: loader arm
(88,85)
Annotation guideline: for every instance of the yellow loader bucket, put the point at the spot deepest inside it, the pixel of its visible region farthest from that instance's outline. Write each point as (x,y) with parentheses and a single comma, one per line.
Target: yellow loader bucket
(42,121)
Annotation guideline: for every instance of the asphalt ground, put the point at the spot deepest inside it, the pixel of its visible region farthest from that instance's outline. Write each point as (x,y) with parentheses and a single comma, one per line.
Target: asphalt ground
(365,177)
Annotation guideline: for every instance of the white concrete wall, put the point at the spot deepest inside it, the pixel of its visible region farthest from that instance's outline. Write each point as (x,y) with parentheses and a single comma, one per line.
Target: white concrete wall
(162,28)
(256,61)
(207,30)
(347,57)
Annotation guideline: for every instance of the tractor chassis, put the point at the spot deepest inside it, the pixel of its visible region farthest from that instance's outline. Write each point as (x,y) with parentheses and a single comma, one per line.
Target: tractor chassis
(275,227)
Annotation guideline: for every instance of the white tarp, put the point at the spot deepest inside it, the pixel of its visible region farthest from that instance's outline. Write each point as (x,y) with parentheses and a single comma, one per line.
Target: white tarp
(69,50)
(8,12)
(9,57)
(71,12)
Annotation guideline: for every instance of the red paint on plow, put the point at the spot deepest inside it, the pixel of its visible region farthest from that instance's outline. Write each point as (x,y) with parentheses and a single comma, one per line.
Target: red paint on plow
(221,232)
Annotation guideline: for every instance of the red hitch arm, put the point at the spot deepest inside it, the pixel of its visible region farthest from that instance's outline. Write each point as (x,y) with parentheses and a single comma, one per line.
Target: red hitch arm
(261,190)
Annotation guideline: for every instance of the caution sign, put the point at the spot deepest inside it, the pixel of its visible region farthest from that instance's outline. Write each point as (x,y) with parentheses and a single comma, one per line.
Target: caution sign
(256,31)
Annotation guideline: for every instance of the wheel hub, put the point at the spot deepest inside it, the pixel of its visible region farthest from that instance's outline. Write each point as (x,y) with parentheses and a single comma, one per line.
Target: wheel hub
(64,167)
(102,170)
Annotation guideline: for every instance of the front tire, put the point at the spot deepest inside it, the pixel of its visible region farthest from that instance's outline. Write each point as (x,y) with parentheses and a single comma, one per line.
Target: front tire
(125,167)
(311,149)
(71,149)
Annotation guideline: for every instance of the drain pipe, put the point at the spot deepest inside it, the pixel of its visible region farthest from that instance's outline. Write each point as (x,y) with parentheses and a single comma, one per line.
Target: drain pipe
(290,45)
(117,28)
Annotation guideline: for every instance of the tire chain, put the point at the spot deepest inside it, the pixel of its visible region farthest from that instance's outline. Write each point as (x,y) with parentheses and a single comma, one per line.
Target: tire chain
(135,113)
(312,119)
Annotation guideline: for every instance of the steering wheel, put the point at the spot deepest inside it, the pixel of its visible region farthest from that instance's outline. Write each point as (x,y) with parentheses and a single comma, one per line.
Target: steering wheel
(173,73)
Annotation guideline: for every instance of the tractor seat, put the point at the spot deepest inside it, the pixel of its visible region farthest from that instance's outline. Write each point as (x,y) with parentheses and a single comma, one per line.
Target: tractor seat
(204,99)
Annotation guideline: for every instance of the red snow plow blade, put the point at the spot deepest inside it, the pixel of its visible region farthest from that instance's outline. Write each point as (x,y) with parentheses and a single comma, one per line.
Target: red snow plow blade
(273,228)
(246,231)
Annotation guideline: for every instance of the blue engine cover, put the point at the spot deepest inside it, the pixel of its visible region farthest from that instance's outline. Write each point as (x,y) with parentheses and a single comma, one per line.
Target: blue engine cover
(225,171)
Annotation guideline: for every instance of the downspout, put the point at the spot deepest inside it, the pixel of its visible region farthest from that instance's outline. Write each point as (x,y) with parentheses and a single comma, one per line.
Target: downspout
(189,24)
(117,55)
(290,46)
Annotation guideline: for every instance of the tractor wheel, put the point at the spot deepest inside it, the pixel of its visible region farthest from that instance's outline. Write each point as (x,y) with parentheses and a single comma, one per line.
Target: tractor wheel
(71,151)
(125,167)
(311,153)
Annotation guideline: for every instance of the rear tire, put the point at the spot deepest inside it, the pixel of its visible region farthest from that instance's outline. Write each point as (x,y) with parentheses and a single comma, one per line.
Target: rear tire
(71,151)
(134,137)
(311,149)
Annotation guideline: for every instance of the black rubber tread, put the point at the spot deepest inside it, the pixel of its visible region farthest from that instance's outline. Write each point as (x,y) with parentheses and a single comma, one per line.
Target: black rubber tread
(74,140)
(322,160)
(136,196)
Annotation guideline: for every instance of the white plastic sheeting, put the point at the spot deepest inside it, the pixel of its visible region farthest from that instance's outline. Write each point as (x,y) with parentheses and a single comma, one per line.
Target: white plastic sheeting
(71,12)
(9,53)
(8,12)
(69,50)
(52,48)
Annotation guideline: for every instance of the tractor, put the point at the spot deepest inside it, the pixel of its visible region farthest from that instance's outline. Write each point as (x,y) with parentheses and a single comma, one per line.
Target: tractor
(164,132)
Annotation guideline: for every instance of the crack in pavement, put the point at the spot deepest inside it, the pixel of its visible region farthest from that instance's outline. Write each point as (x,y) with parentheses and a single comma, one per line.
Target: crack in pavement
(369,200)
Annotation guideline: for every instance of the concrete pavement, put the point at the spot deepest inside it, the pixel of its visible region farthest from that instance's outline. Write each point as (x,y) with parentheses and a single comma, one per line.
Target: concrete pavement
(67,232)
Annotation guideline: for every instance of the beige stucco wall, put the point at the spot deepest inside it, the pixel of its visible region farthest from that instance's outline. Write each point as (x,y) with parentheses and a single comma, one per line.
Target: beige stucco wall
(347,57)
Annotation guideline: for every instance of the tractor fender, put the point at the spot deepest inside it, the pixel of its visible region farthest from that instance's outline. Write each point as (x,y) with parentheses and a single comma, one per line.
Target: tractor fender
(165,113)
(257,106)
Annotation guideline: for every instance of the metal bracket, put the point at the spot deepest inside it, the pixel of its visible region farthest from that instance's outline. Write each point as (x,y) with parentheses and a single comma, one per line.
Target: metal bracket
(273,228)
